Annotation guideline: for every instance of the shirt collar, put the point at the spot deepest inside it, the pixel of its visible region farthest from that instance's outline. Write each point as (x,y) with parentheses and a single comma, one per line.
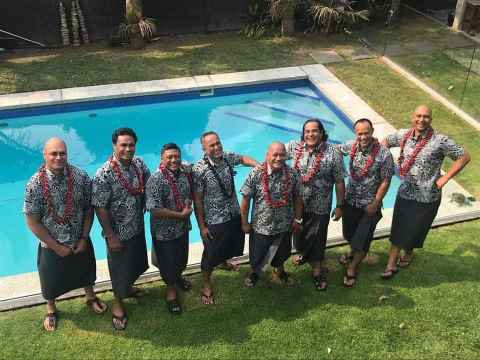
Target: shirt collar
(51,174)
(210,160)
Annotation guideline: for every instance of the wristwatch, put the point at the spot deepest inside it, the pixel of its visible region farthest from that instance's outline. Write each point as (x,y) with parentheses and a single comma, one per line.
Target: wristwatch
(298,221)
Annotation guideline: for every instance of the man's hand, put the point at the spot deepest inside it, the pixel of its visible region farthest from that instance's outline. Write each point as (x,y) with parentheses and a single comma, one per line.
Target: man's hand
(246,227)
(80,246)
(337,214)
(62,250)
(114,243)
(205,233)
(185,213)
(441,181)
(372,208)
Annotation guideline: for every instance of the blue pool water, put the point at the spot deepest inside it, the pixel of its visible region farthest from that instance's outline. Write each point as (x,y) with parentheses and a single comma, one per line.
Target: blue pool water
(247,119)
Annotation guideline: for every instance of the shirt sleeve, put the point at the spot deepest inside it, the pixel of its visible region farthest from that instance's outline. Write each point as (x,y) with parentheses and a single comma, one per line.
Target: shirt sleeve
(153,193)
(87,191)
(33,201)
(387,169)
(451,149)
(197,174)
(338,167)
(297,184)
(233,159)
(393,140)
(248,187)
(101,190)
(345,148)
(145,170)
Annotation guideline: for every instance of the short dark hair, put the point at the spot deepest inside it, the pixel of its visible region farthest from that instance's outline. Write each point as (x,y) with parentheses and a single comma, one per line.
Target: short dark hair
(123,131)
(320,127)
(364,121)
(205,134)
(170,146)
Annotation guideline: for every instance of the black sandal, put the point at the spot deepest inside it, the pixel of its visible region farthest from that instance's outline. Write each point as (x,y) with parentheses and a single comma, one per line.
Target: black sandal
(52,321)
(96,301)
(320,281)
(283,277)
(174,307)
(119,322)
(251,280)
(207,299)
(389,274)
(347,278)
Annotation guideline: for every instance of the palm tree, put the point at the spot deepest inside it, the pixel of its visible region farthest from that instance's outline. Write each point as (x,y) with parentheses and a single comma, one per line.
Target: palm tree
(284,10)
(331,15)
(136,28)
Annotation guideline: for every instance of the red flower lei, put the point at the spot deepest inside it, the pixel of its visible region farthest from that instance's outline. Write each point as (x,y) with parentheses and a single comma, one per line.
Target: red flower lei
(179,204)
(67,214)
(405,168)
(118,172)
(266,189)
(368,163)
(314,169)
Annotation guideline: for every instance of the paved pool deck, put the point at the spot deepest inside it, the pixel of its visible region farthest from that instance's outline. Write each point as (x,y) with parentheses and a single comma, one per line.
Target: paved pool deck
(24,289)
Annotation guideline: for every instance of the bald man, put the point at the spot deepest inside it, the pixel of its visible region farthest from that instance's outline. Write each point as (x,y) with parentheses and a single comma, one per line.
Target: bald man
(422,151)
(277,209)
(58,211)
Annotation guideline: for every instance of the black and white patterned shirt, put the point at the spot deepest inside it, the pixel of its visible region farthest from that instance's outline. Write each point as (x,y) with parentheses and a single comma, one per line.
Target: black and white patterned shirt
(126,210)
(160,196)
(35,203)
(419,183)
(361,192)
(218,208)
(317,193)
(265,219)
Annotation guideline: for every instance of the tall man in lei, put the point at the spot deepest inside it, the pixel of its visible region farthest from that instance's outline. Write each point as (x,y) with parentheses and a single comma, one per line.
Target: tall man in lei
(58,211)
(321,167)
(371,169)
(119,201)
(422,151)
(277,209)
(217,209)
(169,199)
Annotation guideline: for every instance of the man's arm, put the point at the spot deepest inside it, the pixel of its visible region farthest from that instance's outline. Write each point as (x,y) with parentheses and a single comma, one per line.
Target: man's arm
(113,241)
(456,167)
(297,212)
(200,215)
(81,245)
(372,208)
(164,213)
(340,196)
(244,210)
(248,161)
(42,233)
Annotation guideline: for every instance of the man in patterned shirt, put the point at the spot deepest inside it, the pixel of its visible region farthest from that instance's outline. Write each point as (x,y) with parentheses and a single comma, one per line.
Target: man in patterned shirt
(422,151)
(216,208)
(371,169)
(169,200)
(119,201)
(277,210)
(321,167)
(58,211)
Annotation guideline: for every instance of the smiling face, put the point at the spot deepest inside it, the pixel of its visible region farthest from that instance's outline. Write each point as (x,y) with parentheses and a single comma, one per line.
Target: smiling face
(171,159)
(422,119)
(312,134)
(363,133)
(276,156)
(212,147)
(55,155)
(124,148)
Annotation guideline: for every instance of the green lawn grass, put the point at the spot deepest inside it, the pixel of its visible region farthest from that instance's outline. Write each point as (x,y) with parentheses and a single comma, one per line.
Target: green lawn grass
(429,311)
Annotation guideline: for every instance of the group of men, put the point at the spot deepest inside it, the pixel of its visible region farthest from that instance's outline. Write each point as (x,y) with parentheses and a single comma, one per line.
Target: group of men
(286,202)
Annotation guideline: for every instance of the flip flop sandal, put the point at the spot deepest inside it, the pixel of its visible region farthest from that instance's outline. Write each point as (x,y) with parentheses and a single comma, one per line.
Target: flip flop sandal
(389,274)
(207,299)
(298,260)
(346,280)
(283,277)
(251,280)
(404,261)
(174,307)
(184,284)
(52,321)
(119,322)
(344,259)
(320,282)
(96,301)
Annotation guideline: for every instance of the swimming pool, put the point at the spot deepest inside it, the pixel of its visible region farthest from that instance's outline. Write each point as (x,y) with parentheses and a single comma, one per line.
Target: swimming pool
(247,118)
